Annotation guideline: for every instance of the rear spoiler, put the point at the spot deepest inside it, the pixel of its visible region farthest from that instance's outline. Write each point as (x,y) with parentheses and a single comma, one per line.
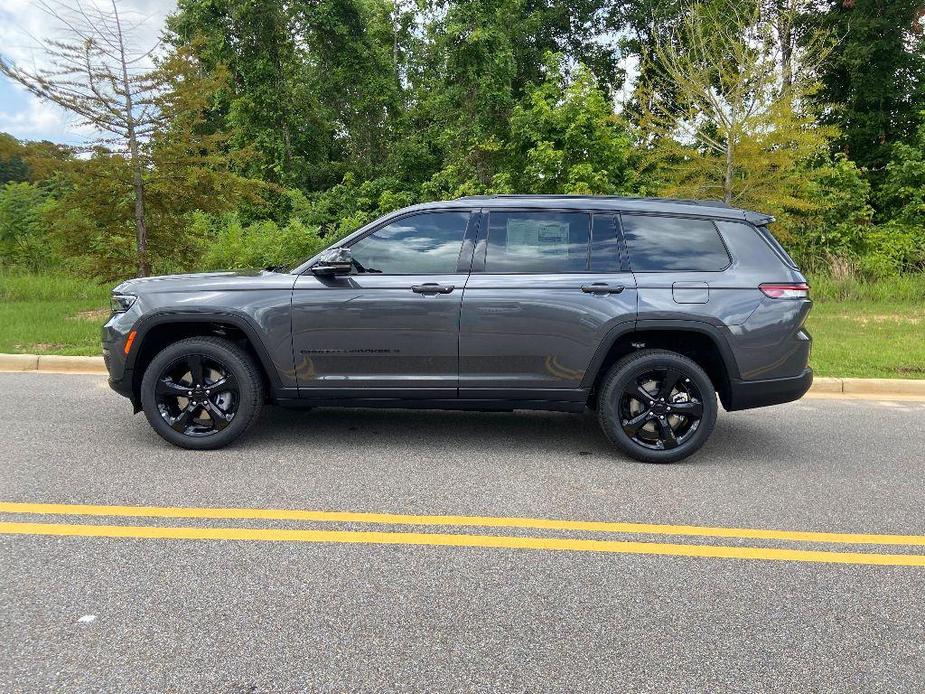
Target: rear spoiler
(759,219)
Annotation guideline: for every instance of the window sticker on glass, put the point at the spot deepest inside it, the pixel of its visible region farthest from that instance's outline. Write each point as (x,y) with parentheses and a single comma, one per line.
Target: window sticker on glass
(524,234)
(537,242)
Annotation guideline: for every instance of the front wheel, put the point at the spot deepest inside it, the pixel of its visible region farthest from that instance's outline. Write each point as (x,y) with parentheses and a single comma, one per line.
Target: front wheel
(201,392)
(657,406)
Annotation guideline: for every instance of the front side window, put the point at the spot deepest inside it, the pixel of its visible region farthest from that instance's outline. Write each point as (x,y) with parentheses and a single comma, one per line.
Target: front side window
(537,242)
(659,244)
(422,244)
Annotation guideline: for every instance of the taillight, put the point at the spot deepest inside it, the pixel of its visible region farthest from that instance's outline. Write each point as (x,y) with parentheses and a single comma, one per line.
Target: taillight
(799,290)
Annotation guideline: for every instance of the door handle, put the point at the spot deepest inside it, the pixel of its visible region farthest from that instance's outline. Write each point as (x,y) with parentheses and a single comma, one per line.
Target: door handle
(601,288)
(432,288)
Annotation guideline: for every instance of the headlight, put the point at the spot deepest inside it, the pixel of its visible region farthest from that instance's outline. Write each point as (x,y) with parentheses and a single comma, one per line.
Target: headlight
(120,303)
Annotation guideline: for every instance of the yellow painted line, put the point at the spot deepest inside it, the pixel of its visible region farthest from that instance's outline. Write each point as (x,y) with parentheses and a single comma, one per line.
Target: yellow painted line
(450,540)
(463,521)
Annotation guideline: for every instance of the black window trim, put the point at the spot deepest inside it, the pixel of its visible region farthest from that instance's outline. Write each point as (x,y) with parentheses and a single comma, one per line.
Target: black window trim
(699,218)
(471,230)
(481,247)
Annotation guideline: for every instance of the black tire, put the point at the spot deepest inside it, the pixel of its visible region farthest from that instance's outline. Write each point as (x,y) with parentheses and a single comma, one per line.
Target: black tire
(219,416)
(677,419)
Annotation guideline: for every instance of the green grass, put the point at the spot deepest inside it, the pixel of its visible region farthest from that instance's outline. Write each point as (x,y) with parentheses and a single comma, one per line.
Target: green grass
(860,329)
(51,314)
(868,339)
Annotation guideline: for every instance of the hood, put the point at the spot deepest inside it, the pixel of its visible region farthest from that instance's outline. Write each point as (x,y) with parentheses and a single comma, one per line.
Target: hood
(205,281)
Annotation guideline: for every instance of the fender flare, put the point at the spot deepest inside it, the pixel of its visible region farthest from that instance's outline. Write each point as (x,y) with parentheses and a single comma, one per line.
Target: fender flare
(713,332)
(235,319)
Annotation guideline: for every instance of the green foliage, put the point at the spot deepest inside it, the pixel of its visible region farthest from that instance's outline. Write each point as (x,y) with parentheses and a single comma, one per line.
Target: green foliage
(827,287)
(874,81)
(565,138)
(228,244)
(23,242)
(841,217)
(287,125)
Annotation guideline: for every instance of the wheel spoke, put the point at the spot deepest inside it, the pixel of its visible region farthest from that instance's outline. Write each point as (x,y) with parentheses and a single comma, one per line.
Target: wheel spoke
(195,369)
(632,426)
(167,386)
(668,383)
(216,415)
(666,434)
(637,392)
(180,422)
(226,383)
(688,409)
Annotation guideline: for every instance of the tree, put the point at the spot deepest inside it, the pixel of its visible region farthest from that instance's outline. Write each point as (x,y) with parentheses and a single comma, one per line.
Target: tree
(99,73)
(22,241)
(565,138)
(734,130)
(873,84)
(187,168)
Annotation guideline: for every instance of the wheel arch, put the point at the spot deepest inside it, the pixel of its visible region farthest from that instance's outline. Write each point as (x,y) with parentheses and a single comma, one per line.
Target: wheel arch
(702,342)
(158,330)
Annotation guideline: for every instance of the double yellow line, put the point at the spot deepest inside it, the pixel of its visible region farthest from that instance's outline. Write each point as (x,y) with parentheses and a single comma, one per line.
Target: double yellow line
(460,539)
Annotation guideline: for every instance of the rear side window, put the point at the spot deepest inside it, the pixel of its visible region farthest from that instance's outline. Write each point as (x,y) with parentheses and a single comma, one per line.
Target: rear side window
(537,242)
(659,244)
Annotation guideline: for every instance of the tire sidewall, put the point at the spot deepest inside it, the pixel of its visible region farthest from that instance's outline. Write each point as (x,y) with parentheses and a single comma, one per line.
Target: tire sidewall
(247,394)
(631,368)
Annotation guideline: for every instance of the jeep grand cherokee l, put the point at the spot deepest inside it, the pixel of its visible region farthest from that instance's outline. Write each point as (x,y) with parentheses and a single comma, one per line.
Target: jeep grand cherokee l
(643,310)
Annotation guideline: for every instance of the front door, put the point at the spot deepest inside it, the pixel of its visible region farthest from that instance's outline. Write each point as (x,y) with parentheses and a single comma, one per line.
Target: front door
(390,329)
(539,302)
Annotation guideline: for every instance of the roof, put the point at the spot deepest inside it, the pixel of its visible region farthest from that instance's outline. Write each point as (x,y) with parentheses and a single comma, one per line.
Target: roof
(707,208)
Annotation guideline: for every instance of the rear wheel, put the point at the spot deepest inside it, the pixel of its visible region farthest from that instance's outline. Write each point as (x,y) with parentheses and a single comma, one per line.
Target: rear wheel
(201,392)
(657,406)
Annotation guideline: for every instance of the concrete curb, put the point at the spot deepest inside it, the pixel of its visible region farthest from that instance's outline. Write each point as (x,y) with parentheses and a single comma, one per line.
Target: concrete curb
(882,387)
(51,363)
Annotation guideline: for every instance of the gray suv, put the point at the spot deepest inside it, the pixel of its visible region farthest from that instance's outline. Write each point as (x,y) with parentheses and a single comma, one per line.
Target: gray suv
(642,310)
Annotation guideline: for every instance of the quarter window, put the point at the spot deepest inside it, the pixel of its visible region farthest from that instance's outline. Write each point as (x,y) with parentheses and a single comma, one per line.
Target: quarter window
(657,244)
(423,244)
(537,242)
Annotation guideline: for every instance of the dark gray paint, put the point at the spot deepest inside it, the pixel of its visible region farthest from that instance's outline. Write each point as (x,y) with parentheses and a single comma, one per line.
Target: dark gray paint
(510,337)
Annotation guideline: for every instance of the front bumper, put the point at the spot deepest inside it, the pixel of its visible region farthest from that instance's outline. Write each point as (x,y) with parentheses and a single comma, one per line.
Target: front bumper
(745,395)
(114,335)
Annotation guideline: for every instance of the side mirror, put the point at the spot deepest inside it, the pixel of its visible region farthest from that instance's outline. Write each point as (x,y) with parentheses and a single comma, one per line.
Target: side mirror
(334,261)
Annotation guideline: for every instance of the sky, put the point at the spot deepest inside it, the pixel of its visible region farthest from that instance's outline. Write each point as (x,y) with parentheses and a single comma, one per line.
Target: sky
(22,22)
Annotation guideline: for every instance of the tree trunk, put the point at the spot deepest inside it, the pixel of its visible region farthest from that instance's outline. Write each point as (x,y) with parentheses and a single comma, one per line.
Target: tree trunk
(730,171)
(785,30)
(141,229)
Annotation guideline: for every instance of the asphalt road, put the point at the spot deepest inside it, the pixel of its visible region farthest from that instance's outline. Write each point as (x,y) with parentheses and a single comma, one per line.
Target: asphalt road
(86,613)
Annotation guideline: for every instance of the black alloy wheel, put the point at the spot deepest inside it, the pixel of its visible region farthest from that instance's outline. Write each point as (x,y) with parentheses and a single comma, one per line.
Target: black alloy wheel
(661,409)
(657,406)
(202,392)
(197,395)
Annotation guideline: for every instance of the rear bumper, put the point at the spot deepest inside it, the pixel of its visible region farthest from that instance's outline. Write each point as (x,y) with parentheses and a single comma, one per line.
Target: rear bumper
(745,395)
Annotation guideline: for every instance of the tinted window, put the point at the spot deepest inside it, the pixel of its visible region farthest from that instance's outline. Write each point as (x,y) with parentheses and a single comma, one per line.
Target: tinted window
(605,244)
(775,244)
(423,244)
(671,243)
(537,242)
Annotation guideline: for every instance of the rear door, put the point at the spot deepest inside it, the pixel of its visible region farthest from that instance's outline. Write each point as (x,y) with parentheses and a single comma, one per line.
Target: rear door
(539,302)
(389,329)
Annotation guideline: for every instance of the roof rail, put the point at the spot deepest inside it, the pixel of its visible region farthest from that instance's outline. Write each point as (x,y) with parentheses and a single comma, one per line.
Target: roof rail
(679,201)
